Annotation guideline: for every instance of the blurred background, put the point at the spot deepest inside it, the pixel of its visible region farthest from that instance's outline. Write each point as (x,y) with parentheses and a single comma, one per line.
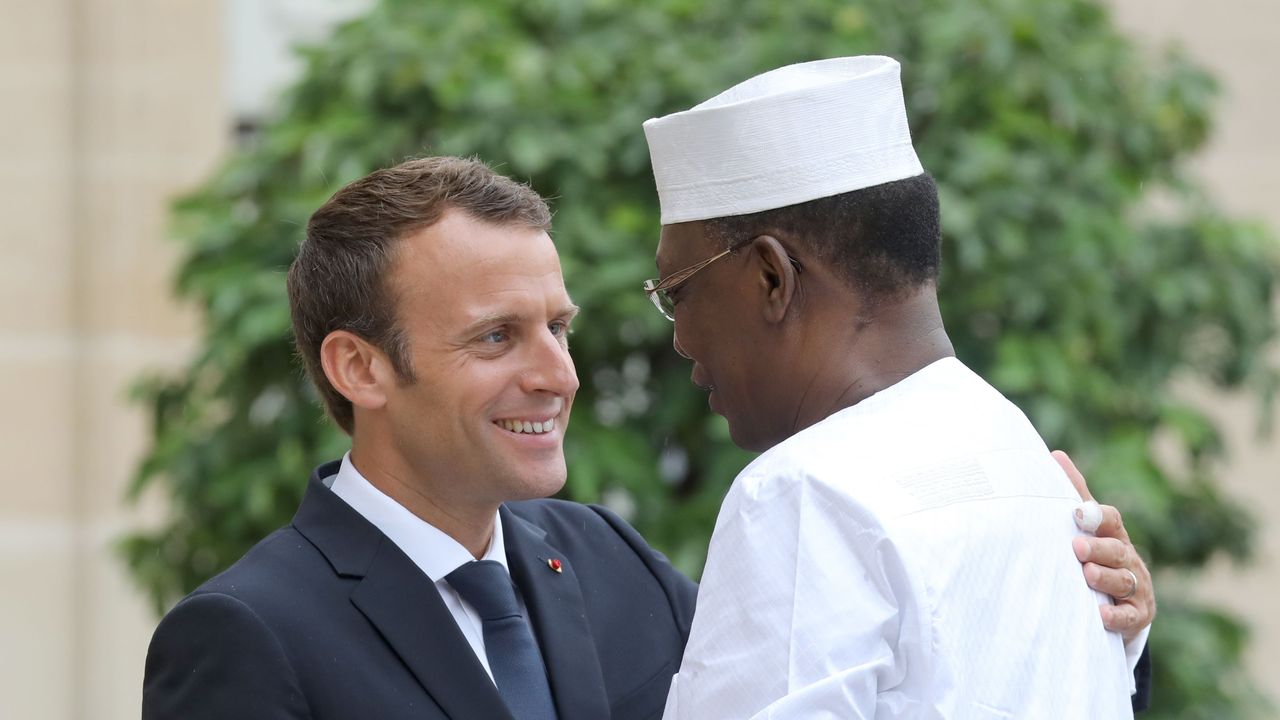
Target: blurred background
(1109,183)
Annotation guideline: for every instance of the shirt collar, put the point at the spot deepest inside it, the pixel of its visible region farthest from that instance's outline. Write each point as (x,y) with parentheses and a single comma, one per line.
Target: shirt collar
(434,552)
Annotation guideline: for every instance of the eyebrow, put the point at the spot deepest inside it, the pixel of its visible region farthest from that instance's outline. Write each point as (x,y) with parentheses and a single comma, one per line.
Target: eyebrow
(570,311)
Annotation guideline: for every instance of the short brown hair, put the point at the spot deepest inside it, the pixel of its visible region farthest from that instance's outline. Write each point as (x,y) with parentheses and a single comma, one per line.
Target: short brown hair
(339,279)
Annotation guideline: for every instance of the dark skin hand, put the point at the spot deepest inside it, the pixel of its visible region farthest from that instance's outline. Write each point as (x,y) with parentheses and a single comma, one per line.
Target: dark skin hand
(1106,556)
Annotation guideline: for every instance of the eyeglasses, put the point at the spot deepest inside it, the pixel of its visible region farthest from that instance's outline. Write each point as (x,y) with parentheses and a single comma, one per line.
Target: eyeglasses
(659,292)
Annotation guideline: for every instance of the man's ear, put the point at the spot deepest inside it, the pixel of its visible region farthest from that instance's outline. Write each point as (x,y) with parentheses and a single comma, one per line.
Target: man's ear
(356,369)
(777,280)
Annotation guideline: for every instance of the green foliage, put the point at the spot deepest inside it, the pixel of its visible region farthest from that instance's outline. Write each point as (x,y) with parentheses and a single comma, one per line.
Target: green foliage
(1190,633)
(1052,140)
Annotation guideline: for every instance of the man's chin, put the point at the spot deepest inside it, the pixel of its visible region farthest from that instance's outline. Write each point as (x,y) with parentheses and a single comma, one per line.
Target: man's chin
(536,486)
(750,439)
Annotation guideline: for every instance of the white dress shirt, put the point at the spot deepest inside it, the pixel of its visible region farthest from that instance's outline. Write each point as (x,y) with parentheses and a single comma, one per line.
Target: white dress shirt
(907,557)
(434,552)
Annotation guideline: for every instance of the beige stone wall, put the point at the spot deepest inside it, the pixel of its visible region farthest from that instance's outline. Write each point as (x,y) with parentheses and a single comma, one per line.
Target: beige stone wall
(1235,39)
(109,108)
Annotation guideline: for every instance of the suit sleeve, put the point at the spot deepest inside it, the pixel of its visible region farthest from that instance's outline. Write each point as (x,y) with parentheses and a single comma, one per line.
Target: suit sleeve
(213,657)
(1142,677)
(681,591)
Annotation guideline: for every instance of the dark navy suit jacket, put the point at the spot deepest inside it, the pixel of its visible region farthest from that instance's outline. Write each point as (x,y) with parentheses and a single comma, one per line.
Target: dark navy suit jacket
(327,618)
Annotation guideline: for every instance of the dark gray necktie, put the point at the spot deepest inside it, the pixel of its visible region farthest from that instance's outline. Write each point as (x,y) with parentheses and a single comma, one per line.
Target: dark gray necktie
(508,640)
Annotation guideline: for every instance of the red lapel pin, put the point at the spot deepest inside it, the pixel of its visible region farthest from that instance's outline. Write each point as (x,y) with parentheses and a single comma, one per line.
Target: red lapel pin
(555,564)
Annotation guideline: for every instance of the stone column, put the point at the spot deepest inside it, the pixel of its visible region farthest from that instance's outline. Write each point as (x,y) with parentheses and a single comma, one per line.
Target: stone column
(112,107)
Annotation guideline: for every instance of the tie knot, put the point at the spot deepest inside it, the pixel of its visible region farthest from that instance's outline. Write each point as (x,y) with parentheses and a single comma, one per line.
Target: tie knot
(486,585)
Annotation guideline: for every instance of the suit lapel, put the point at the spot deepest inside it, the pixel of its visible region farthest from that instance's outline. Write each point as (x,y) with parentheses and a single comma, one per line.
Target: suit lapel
(407,609)
(401,602)
(559,619)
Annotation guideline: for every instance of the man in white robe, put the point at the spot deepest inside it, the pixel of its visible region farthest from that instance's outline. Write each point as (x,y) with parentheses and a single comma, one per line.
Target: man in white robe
(902,547)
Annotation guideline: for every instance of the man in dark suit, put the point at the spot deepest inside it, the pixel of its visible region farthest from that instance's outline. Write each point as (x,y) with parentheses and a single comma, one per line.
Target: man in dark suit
(422,576)
(430,311)
(329,619)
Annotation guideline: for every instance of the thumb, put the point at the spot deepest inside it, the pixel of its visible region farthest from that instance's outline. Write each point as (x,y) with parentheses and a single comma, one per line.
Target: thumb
(1064,461)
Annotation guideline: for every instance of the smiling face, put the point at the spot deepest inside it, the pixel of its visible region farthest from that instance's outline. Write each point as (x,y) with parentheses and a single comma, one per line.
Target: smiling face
(486,317)
(719,326)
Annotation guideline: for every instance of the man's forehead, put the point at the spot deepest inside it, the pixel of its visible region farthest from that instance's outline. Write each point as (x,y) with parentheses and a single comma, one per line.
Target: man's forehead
(506,286)
(478,269)
(681,240)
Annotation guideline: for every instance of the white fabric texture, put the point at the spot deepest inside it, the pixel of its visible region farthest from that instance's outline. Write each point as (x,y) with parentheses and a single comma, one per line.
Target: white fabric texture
(790,135)
(908,557)
(434,552)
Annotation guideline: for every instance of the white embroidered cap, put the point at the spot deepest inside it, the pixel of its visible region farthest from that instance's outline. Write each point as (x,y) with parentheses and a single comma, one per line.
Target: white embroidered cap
(794,134)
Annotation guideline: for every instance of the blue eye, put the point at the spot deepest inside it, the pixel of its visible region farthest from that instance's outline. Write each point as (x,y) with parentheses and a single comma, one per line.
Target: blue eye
(494,337)
(559,327)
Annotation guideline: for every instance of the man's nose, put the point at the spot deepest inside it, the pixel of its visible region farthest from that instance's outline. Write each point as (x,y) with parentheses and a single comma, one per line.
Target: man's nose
(675,343)
(550,368)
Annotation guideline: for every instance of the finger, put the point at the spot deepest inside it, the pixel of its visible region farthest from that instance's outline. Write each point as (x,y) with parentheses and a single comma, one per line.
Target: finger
(1108,552)
(1109,581)
(1124,619)
(1081,547)
(1112,525)
(1088,516)
(1077,479)
(1128,620)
